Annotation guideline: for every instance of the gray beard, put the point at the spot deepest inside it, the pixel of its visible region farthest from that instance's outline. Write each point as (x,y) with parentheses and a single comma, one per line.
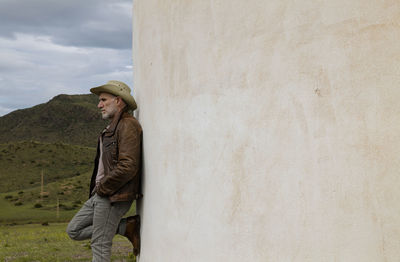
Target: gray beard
(109,115)
(105,116)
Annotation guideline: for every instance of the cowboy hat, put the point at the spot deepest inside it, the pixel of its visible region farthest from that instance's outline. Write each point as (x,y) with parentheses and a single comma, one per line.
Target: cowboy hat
(116,88)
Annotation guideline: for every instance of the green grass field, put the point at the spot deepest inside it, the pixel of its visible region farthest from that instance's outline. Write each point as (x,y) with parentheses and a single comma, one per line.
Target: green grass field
(34,242)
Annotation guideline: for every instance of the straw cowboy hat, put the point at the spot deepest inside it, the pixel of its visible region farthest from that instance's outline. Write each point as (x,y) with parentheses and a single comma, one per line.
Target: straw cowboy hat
(116,88)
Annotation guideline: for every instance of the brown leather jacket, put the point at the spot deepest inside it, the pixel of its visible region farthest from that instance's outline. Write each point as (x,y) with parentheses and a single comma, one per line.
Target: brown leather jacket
(122,150)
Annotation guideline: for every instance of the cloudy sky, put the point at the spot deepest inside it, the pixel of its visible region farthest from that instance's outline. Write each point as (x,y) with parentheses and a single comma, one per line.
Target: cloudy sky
(51,47)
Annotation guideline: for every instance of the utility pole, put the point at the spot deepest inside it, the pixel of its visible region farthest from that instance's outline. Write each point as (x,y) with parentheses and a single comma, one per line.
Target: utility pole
(41,189)
(58,208)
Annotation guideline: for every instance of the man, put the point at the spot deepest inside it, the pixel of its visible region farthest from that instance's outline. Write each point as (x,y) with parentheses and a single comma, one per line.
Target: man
(116,176)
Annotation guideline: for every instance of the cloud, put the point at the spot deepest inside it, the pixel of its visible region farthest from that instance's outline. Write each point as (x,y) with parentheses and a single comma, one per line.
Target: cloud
(89,23)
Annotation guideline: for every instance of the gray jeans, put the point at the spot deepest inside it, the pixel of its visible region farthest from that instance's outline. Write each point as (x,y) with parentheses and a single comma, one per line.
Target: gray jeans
(99,220)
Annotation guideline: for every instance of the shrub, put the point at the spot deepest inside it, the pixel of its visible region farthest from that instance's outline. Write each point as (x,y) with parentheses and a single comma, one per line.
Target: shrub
(37,205)
(65,207)
(8,197)
(18,203)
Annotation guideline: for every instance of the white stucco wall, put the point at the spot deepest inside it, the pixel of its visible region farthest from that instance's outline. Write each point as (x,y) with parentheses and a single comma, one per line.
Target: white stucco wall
(271,129)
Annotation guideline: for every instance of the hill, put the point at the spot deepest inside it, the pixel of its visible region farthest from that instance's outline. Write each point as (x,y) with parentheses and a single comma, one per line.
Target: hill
(66,176)
(29,205)
(70,119)
(23,162)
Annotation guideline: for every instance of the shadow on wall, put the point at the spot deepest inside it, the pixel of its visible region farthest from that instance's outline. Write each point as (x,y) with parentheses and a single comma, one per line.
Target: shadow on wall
(142,171)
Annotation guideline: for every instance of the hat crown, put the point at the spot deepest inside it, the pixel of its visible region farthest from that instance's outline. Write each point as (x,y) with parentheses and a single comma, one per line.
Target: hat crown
(120,85)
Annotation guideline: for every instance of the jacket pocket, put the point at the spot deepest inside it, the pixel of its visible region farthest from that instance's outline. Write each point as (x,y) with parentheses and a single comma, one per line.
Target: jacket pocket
(110,151)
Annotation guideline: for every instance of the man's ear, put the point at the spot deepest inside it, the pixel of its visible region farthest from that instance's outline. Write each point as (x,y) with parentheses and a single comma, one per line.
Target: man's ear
(120,101)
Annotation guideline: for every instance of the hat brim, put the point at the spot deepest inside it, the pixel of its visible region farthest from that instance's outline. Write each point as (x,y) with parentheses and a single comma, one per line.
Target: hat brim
(128,99)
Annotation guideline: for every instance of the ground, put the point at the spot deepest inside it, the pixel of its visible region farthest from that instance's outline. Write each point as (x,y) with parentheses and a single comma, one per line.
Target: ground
(50,243)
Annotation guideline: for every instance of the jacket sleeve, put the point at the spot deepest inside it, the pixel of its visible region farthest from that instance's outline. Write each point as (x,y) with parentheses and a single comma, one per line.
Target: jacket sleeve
(127,167)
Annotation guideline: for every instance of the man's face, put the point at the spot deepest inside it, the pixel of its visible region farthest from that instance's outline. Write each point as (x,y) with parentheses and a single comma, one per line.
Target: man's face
(108,105)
